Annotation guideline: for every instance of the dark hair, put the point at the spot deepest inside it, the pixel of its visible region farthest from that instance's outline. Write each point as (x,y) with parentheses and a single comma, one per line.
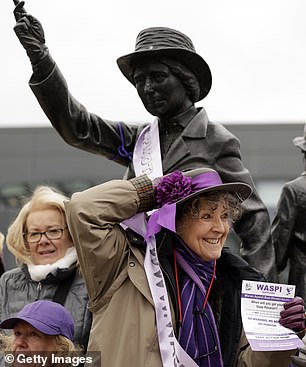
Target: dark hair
(186,77)
(192,207)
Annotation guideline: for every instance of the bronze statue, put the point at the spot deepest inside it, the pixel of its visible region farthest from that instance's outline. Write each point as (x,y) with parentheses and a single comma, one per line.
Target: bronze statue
(169,77)
(289,226)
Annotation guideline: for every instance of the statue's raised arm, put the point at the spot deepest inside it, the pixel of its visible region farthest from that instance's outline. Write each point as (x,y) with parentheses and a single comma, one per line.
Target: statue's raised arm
(169,77)
(30,33)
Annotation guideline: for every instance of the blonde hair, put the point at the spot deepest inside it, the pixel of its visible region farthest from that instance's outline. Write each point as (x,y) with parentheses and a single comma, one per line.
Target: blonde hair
(1,242)
(44,197)
(63,344)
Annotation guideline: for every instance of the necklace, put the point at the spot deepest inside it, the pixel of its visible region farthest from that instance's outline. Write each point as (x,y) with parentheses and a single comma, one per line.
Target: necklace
(179,292)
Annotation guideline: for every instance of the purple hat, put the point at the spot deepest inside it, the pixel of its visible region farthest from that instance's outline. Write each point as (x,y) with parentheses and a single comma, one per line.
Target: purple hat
(178,187)
(48,317)
(167,42)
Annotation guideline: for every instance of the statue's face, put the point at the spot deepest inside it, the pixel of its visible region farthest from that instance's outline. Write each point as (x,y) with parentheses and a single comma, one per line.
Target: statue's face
(161,92)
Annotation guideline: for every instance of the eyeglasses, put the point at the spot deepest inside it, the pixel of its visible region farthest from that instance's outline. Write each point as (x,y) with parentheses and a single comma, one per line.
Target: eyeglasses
(51,234)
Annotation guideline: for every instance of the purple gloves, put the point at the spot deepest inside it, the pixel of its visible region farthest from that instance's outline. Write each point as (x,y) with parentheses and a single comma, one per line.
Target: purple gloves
(30,34)
(293,315)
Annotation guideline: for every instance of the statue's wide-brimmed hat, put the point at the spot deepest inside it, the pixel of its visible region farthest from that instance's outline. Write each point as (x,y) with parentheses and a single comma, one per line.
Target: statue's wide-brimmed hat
(170,43)
(300,141)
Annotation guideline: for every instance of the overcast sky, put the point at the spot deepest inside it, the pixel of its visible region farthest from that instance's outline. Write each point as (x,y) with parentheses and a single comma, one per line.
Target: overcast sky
(256,50)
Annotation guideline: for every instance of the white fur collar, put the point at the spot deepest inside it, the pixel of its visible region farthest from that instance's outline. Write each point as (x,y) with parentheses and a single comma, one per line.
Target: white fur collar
(40,272)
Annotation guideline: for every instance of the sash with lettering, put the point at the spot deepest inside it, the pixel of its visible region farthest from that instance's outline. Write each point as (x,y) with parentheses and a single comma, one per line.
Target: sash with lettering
(147,160)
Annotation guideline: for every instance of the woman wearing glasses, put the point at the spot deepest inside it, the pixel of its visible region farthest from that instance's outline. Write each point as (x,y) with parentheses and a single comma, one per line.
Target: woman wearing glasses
(40,241)
(169,295)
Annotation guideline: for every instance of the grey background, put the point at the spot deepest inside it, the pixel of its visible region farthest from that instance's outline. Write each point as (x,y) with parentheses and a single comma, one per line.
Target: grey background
(32,156)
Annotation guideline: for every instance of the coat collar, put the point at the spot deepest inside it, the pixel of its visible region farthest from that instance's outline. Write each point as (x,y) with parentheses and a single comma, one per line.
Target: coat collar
(196,129)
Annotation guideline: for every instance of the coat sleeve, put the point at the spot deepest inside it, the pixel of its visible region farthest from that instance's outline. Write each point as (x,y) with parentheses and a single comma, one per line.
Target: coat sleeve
(77,126)
(253,228)
(94,218)
(283,224)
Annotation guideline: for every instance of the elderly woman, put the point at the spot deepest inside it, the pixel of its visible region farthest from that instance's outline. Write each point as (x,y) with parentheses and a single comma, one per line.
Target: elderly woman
(42,335)
(40,240)
(170,296)
(41,326)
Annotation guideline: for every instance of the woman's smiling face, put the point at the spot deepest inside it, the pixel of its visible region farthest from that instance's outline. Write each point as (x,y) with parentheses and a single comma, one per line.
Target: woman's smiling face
(206,233)
(46,251)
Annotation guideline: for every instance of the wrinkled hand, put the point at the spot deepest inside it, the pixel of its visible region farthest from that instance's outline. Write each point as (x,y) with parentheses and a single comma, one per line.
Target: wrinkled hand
(300,360)
(30,34)
(293,315)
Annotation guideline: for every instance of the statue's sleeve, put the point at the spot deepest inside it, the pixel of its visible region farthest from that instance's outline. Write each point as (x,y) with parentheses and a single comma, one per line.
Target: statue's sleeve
(283,224)
(254,227)
(77,126)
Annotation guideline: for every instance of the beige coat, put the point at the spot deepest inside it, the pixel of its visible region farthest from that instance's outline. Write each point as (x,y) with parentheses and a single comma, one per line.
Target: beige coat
(123,326)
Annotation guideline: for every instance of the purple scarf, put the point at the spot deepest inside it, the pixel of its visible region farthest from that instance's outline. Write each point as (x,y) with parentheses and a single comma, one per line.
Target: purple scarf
(198,333)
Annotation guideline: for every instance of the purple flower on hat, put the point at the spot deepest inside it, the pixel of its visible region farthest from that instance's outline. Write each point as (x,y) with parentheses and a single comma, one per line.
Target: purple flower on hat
(172,188)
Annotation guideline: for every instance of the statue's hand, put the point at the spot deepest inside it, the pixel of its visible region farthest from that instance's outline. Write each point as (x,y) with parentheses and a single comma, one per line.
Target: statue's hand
(293,315)
(19,10)
(30,34)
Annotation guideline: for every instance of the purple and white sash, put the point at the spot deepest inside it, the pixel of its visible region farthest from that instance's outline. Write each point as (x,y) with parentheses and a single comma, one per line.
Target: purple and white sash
(147,160)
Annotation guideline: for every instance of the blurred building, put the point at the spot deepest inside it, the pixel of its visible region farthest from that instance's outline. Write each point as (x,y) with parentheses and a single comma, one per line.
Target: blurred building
(34,156)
